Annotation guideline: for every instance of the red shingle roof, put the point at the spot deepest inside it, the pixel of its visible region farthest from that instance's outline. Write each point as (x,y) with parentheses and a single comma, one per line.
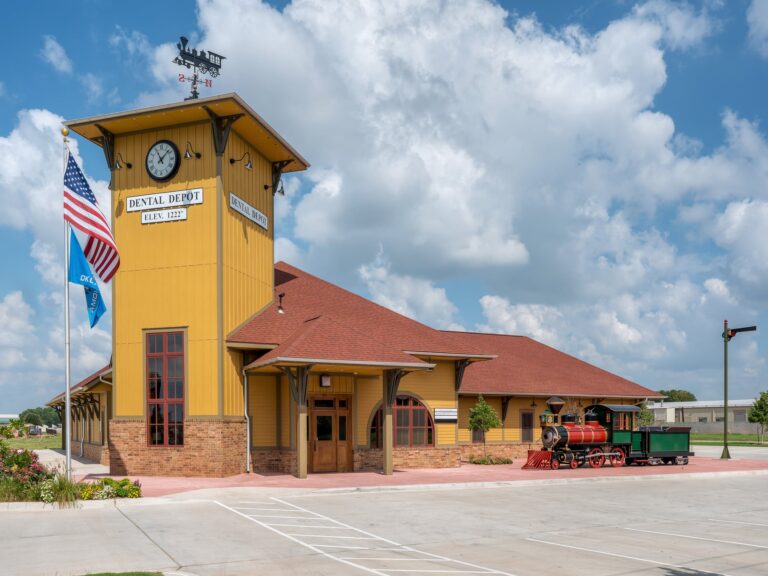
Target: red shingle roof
(82,384)
(524,367)
(324,341)
(307,297)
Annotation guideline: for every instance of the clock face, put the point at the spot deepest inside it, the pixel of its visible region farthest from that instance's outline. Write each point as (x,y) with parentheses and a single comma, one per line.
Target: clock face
(163,160)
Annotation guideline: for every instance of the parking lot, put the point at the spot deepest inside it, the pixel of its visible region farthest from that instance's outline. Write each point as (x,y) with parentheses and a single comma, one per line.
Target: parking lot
(661,526)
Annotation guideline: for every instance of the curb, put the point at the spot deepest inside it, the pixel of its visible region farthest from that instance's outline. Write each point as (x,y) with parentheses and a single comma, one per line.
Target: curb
(308,492)
(528,483)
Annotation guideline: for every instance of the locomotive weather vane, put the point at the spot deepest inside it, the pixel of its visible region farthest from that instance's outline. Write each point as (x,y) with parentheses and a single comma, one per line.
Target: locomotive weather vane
(200,62)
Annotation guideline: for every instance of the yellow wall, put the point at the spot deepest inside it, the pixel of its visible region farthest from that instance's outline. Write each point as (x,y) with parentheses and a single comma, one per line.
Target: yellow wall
(168,273)
(248,254)
(369,392)
(262,407)
(340,384)
(466,403)
(285,413)
(435,389)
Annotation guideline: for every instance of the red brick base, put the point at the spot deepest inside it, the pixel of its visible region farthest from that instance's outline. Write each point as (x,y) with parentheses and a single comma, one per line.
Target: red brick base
(403,458)
(273,460)
(93,452)
(211,448)
(513,451)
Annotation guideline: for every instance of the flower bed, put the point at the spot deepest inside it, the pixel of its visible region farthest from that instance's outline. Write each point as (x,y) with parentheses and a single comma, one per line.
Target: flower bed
(24,479)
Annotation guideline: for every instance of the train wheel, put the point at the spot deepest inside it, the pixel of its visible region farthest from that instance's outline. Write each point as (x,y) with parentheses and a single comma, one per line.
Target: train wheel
(574,463)
(619,457)
(555,464)
(596,458)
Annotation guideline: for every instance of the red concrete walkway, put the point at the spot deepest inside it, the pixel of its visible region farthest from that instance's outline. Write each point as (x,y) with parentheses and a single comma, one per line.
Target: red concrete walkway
(166,485)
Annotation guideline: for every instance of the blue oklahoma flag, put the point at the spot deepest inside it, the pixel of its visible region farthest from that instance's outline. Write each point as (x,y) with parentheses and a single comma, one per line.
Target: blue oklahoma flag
(80,273)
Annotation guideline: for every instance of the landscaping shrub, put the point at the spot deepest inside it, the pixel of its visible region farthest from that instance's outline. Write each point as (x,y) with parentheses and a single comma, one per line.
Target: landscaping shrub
(489,460)
(24,479)
(59,490)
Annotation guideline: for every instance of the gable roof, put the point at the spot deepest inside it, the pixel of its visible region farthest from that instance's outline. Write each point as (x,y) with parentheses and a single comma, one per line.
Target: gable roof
(524,367)
(84,385)
(311,344)
(307,297)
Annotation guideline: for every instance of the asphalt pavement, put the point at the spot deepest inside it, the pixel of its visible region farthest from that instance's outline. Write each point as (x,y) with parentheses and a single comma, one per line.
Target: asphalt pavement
(678,525)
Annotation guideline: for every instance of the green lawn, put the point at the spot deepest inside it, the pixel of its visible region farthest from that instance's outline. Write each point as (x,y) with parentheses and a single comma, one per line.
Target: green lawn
(36,442)
(733,439)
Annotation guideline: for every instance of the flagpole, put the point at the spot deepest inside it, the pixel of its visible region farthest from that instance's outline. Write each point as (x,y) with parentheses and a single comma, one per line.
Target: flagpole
(67,402)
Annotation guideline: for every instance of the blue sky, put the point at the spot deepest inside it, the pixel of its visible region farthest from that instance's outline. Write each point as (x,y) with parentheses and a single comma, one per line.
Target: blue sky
(590,174)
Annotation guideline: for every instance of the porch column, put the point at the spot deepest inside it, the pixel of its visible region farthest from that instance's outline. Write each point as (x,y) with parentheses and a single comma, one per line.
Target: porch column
(389,393)
(297,382)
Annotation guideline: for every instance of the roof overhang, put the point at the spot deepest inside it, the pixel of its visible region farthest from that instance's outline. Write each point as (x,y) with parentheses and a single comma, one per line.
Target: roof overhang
(452,356)
(287,362)
(250,346)
(250,126)
(550,394)
(97,379)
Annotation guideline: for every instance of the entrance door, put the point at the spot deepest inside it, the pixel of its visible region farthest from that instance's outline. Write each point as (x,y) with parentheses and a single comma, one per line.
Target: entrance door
(330,446)
(324,441)
(526,423)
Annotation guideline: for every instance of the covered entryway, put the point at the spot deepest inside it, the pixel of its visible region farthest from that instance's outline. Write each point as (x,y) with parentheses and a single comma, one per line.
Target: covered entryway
(330,446)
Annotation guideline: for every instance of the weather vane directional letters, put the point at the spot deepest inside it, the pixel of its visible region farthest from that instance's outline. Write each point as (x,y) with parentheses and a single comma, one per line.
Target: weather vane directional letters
(201,62)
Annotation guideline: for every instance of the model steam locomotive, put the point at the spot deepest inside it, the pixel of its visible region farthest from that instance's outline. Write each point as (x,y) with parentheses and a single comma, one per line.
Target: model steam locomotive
(610,432)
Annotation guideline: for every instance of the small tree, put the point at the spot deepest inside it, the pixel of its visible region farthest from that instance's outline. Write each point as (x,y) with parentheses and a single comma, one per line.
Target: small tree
(483,417)
(674,395)
(646,416)
(759,414)
(31,417)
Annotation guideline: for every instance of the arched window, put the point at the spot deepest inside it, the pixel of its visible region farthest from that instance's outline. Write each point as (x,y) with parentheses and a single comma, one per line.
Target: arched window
(412,421)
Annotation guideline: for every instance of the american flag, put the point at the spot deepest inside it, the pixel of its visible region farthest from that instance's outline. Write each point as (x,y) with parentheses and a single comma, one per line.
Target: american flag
(82,211)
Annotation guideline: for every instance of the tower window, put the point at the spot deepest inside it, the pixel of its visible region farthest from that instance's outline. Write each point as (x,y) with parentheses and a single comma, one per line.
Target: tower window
(165,388)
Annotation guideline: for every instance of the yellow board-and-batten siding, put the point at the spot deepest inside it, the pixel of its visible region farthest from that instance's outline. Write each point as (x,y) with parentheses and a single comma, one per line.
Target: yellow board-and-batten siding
(154,257)
(183,255)
(248,253)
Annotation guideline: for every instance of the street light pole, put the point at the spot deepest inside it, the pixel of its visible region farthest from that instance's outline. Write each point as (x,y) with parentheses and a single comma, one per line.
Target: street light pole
(727,335)
(726,455)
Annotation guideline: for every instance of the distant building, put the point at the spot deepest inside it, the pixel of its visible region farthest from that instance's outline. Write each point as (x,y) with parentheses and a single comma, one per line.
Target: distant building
(705,415)
(5,418)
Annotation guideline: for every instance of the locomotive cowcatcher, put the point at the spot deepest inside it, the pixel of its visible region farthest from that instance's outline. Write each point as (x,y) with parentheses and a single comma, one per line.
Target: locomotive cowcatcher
(610,432)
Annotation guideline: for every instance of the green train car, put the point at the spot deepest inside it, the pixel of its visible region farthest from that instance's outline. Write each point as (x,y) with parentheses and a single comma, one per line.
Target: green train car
(610,433)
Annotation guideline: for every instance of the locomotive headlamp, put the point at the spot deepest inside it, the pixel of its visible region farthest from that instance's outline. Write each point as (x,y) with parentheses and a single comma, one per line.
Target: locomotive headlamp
(555,404)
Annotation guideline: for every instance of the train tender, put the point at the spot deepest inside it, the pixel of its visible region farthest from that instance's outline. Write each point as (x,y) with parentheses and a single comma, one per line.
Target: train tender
(609,433)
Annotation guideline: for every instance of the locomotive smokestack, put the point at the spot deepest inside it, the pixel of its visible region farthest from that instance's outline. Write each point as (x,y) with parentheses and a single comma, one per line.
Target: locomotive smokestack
(555,404)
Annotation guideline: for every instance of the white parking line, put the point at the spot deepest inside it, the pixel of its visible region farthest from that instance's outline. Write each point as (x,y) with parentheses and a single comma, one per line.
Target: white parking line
(698,538)
(738,522)
(615,555)
(308,526)
(327,550)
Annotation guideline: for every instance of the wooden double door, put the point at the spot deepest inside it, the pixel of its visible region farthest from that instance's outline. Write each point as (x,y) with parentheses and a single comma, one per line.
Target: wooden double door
(330,439)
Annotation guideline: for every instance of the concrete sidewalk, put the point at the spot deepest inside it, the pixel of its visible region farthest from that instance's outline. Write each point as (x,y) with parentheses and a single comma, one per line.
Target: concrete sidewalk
(81,467)
(467,473)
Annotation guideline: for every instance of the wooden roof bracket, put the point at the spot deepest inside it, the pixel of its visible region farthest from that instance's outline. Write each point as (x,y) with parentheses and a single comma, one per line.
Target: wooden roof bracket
(392,378)
(297,382)
(277,173)
(504,407)
(459,376)
(107,143)
(220,128)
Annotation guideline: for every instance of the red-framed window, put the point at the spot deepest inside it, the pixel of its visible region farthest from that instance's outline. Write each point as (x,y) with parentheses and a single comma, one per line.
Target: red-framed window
(478,436)
(165,388)
(412,422)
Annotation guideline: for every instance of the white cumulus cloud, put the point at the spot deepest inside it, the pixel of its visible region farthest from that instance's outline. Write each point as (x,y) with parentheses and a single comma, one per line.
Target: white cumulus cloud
(757,22)
(55,55)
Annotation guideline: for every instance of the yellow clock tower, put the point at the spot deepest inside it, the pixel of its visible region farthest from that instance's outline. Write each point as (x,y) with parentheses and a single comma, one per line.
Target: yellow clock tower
(192,208)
